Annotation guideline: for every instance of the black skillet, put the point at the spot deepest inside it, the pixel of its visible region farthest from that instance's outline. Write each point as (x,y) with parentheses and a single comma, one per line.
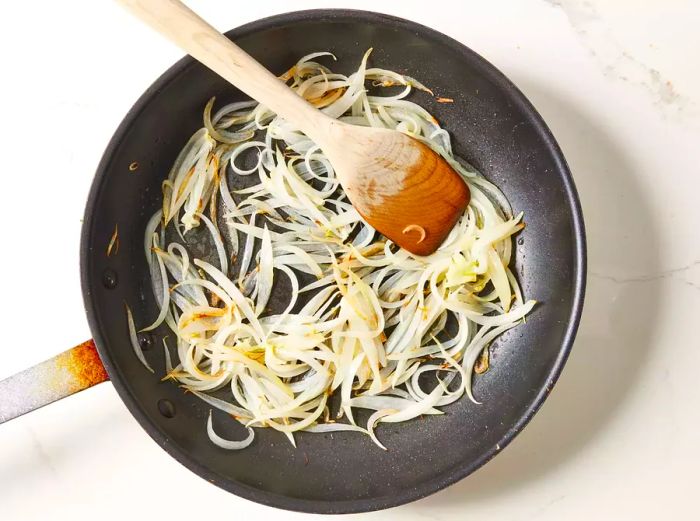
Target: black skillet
(493,127)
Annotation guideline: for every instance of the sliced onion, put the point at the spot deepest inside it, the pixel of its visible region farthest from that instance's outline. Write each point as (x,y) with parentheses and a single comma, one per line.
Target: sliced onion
(371,422)
(228,444)
(165,295)
(135,341)
(222,405)
(264,280)
(335,427)
(168,360)
(375,313)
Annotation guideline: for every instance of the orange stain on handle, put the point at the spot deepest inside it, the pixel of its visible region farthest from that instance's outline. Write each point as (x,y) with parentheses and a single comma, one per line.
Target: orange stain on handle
(84,365)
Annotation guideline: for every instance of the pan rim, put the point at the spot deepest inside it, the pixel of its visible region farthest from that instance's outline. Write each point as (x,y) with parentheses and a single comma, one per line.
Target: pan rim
(459,471)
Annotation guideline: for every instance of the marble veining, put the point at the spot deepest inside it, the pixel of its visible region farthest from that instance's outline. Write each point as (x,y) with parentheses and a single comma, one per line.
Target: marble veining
(618,62)
(678,273)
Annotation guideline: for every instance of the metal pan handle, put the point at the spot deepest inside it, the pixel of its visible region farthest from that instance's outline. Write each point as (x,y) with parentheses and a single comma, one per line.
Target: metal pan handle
(58,377)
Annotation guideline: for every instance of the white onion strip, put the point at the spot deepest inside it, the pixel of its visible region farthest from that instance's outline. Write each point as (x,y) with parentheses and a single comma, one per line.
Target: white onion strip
(135,341)
(228,444)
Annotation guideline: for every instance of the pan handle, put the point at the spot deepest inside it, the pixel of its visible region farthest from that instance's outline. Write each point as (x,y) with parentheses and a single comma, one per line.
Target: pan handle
(51,380)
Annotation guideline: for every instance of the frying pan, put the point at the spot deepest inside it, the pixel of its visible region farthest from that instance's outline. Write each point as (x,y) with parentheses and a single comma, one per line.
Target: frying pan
(493,127)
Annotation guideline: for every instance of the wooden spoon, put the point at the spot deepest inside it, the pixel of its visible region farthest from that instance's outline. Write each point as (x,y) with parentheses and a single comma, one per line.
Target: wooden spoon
(399,185)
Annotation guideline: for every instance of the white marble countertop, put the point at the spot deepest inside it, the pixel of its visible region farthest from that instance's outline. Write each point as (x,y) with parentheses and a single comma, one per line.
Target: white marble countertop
(618,84)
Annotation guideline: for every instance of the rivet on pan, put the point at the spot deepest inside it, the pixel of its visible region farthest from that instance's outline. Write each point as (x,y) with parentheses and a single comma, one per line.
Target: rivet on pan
(109,278)
(521,241)
(166,408)
(145,341)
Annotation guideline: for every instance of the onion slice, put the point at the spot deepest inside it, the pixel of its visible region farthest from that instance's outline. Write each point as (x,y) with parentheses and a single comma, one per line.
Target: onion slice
(373,419)
(228,444)
(135,344)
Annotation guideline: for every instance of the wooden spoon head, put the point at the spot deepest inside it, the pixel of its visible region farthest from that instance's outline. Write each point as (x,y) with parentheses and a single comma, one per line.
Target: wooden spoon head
(400,186)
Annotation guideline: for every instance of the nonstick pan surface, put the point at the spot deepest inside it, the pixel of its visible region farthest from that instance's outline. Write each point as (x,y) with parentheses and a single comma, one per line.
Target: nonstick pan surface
(493,127)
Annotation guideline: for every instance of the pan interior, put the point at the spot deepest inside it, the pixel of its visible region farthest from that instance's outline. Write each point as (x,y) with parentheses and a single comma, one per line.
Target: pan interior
(492,127)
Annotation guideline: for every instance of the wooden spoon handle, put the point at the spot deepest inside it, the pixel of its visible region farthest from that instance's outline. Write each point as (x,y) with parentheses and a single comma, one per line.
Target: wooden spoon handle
(178,23)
